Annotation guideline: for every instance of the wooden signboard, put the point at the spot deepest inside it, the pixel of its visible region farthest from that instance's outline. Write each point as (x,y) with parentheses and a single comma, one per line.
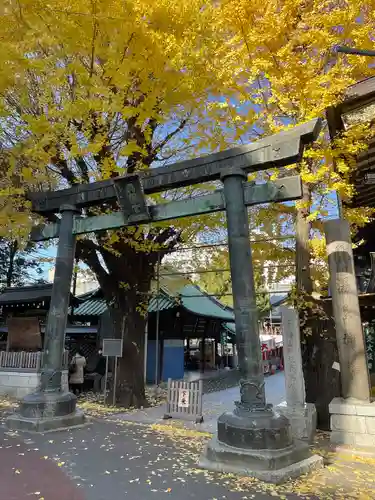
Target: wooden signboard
(24,333)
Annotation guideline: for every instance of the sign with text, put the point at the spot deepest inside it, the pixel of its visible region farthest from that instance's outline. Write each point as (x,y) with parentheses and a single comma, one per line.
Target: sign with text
(112,348)
(183,398)
(130,197)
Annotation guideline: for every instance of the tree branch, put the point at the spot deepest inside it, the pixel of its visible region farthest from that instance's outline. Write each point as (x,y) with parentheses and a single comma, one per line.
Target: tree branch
(172,134)
(86,251)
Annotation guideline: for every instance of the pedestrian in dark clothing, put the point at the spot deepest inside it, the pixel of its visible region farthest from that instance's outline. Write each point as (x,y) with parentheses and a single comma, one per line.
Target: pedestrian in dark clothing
(99,372)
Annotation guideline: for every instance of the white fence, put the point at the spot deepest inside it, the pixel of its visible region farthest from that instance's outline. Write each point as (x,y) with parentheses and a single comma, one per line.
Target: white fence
(25,360)
(184,400)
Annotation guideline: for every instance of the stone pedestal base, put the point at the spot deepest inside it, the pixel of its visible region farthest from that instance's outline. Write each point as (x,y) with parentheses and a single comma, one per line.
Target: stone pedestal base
(258,444)
(352,423)
(44,412)
(272,466)
(302,420)
(18,423)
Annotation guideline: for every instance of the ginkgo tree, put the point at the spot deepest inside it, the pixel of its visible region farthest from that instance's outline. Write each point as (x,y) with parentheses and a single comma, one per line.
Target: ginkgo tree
(287,71)
(93,89)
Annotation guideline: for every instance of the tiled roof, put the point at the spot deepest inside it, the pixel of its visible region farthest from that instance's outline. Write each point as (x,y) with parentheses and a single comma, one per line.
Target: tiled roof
(90,307)
(189,296)
(198,302)
(162,302)
(96,306)
(23,294)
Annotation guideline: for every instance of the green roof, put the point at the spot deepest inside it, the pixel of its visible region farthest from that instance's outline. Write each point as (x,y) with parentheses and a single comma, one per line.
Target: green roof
(189,296)
(162,302)
(90,307)
(197,301)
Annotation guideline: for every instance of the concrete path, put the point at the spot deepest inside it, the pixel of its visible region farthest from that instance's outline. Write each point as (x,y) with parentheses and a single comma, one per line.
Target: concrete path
(115,459)
(214,404)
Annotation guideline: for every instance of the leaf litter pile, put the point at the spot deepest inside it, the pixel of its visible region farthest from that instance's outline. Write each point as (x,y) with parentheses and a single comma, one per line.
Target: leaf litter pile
(93,404)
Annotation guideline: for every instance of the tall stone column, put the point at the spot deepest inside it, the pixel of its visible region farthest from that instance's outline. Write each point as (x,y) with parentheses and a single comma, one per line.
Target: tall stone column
(302,415)
(54,342)
(354,373)
(253,439)
(50,407)
(245,309)
(353,415)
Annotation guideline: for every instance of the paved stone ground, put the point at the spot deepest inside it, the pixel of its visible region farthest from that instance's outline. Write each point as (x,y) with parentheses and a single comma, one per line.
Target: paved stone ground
(105,461)
(118,460)
(216,380)
(115,459)
(25,474)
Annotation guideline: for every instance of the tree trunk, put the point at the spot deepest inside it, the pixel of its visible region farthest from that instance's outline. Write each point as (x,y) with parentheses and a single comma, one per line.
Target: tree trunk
(130,325)
(319,349)
(126,285)
(13,247)
(322,382)
(303,275)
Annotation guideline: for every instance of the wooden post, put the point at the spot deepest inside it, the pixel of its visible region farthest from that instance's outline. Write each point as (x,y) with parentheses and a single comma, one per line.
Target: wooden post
(203,352)
(355,380)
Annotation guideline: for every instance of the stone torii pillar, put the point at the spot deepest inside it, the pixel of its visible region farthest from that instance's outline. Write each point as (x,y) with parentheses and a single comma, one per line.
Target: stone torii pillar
(49,407)
(253,439)
(353,415)
(349,333)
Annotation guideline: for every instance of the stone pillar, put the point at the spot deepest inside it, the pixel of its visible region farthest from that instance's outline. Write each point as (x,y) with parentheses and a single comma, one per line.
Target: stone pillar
(355,382)
(353,415)
(58,312)
(50,407)
(245,309)
(302,415)
(251,440)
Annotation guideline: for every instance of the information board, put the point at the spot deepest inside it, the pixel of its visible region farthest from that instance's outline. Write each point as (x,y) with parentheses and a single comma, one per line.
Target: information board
(112,348)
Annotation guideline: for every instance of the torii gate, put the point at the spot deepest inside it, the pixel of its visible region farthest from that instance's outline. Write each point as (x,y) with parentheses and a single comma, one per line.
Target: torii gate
(252,425)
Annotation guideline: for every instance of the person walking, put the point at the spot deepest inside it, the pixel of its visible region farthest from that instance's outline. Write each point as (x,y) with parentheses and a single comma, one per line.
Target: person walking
(76,372)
